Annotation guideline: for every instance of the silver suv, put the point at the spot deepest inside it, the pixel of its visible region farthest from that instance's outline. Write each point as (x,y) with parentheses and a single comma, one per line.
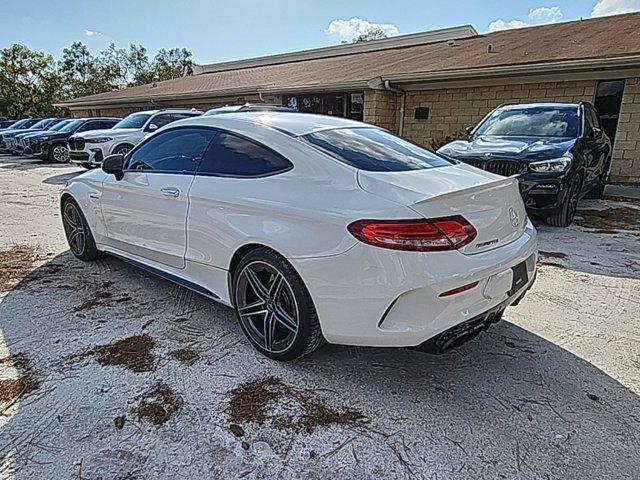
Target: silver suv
(88,149)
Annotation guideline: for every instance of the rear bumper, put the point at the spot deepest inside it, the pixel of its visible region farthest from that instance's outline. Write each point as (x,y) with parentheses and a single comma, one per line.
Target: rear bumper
(378,297)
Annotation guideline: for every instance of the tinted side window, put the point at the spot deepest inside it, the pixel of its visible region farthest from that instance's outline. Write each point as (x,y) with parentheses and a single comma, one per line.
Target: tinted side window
(230,155)
(161,120)
(180,116)
(92,125)
(591,120)
(174,151)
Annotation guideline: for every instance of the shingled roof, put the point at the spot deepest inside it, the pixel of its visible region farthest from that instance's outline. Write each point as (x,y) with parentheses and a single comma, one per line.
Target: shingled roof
(607,38)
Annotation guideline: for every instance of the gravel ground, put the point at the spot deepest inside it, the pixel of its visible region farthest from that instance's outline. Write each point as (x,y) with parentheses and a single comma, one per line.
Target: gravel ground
(107,372)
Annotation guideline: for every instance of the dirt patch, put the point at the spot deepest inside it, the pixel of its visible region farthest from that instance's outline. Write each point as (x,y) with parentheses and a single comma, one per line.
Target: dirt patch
(97,299)
(552,254)
(610,219)
(542,264)
(158,404)
(617,198)
(285,407)
(100,298)
(15,265)
(133,353)
(185,355)
(12,389)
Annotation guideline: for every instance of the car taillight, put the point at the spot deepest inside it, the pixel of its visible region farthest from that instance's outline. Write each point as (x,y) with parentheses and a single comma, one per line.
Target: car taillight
(428,235)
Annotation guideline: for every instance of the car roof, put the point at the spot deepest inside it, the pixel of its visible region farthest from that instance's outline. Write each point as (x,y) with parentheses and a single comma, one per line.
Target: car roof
(516,106)
(294,124)
(169,110)
(84,119)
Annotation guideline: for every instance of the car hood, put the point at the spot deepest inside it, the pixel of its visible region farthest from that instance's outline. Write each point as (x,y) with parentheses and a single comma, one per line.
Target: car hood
(517,148)
(55,135)
(109,132)
(14,132)
(26,133)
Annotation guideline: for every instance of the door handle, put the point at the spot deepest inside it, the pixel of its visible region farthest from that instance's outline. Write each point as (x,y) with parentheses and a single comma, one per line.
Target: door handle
(170,191)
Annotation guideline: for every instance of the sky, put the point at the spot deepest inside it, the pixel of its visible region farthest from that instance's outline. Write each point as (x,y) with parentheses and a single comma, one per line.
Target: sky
(218,31)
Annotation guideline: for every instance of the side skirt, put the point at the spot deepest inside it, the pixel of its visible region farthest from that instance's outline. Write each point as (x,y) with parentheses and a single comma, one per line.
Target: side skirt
(169,276)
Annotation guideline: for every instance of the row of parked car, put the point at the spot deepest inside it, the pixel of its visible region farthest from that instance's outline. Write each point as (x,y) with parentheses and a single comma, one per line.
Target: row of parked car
(87,141)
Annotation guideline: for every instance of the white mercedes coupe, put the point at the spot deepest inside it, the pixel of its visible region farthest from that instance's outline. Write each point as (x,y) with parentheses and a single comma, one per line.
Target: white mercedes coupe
(313,228)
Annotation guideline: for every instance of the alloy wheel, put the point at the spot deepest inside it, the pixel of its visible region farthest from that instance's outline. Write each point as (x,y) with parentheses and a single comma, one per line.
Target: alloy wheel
(60,154)
(74,229)
(267,307)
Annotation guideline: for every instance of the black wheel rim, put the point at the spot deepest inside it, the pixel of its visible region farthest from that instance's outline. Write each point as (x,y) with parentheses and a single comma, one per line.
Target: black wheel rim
(267,307)
(74,229)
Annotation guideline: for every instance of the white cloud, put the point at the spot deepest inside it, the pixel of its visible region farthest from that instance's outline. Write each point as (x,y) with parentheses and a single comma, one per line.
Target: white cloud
(500,24)
(354,27)
(614,7)
(93,33)
(545,14)
(536,16)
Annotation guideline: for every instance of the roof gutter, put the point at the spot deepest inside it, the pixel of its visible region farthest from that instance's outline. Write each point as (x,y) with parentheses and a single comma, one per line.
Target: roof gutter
(159,98)
(566,66)
(318,88)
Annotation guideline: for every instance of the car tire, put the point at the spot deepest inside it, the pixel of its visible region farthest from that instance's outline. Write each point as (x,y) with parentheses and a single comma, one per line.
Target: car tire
(269,296)
(59,153)
(122,150)
(567,212)
(78,233)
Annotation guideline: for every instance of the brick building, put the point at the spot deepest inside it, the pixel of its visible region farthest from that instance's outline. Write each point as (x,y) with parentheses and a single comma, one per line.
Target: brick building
(428,86)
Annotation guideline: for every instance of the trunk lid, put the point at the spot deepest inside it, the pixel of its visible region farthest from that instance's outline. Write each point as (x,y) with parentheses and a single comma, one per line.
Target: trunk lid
(492,204)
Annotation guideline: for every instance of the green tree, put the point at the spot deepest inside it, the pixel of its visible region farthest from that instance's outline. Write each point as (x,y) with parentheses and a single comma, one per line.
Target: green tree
(85,74)
(172,63)
(371,34)
(29,82)
(139,65)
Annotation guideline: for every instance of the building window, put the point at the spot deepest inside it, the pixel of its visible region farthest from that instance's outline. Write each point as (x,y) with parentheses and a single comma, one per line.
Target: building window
(356,106)
(607,102)
(348,105)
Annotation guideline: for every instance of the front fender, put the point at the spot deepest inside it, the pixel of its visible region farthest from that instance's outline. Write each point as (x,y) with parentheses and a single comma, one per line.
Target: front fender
(86,190)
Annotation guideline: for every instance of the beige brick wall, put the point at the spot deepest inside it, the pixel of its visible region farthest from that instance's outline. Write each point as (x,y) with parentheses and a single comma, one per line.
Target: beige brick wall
(625,166)
(451,110)
(380,108)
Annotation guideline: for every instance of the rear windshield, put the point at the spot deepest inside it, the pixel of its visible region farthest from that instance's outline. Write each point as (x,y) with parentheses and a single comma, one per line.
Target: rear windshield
(532,122)
(374,150)
(136,120)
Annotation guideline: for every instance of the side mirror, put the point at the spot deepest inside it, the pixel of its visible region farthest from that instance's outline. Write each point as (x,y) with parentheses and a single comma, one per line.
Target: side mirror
(468,130)
(152,127)
(597,132)
(113,164)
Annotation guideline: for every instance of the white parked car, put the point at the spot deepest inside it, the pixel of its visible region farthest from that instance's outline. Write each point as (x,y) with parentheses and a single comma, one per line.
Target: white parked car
(313,228)
(90,148)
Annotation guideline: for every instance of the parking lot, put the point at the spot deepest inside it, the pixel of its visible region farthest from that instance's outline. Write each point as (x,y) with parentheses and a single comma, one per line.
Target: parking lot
(108,372)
